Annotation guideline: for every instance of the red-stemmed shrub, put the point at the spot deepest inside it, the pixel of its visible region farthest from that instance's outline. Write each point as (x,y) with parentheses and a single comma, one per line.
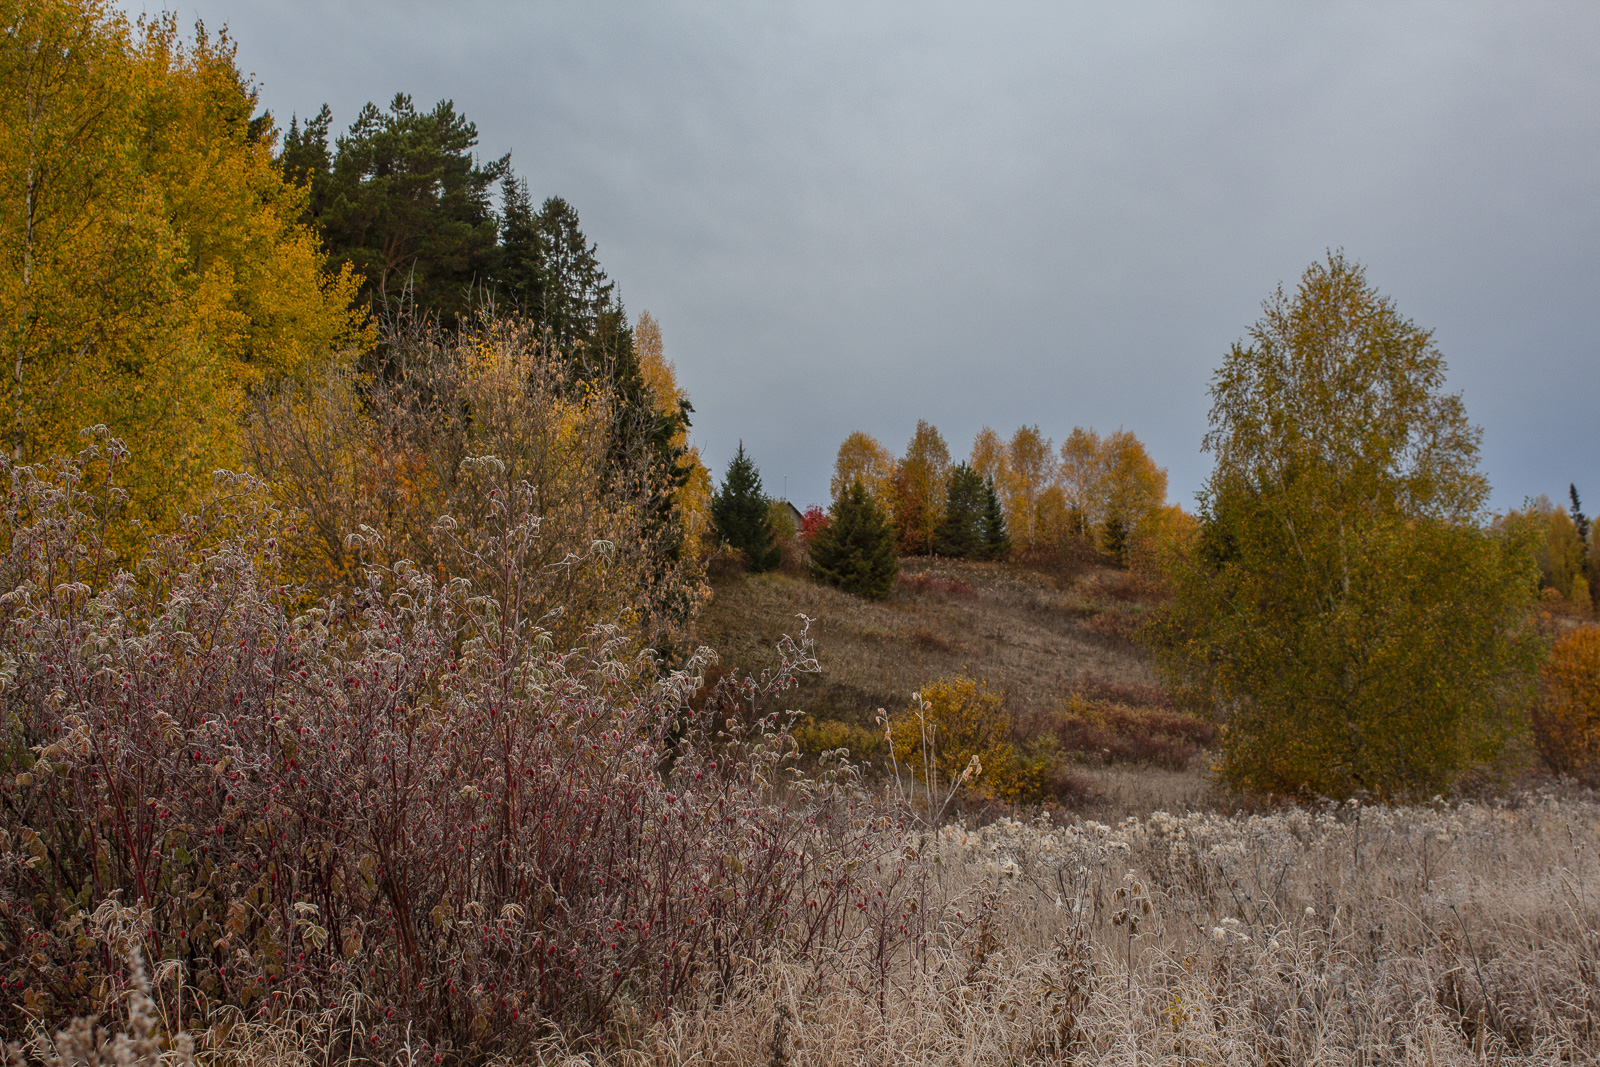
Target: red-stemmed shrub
(403,801)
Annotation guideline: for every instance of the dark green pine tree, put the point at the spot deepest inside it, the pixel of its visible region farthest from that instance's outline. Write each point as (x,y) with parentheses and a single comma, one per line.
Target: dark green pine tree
(855,550)
(960,534)
(404,201)
(519,276)
(996,538)
(574,300)
(739,514)
(1579,519)
(550,272)
(305,160)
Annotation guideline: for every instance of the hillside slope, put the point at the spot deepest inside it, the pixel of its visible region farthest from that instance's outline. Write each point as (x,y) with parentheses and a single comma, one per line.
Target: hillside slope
(1037,634)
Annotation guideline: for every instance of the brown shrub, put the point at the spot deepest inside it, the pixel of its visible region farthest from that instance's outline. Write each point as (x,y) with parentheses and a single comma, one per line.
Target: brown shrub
(1102,689)
(1111,732)
(1115,624)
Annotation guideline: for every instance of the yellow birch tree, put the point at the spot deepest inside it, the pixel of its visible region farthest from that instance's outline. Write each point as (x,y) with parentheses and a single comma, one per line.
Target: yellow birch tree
(862,458)
(919,490)
(155,265)
(1030,469)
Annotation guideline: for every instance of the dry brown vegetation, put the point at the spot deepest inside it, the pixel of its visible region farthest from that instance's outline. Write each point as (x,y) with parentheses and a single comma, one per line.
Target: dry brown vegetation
(1348,935)
(1027,632)
(1053,636)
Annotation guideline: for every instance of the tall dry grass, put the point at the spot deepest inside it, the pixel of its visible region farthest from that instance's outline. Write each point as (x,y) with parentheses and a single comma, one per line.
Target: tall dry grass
(1437,935)
(1447,935)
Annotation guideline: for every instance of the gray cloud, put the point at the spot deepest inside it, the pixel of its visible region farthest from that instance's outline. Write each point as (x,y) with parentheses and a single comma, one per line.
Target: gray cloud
(851,216)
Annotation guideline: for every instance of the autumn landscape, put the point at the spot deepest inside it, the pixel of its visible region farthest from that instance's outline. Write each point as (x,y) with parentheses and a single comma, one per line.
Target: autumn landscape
(387,677)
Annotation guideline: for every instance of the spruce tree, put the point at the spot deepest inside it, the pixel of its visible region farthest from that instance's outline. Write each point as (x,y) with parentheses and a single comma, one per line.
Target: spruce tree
(739,514)
(961,533)
(855,550)
(996,538)
(1579,519)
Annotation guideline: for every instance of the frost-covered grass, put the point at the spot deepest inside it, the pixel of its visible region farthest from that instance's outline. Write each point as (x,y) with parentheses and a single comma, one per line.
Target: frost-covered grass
(1345,935)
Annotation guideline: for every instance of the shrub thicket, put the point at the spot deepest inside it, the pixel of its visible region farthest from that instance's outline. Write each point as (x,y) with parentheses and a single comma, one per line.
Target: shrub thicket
(425,454)
(949,725)
(408,804)
(1111,731)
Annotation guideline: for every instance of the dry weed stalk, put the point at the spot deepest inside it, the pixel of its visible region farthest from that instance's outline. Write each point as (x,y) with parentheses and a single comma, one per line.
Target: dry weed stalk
(84,1043)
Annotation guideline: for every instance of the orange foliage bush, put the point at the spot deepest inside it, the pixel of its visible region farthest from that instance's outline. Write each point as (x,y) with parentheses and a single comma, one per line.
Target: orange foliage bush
(952,721)
(1566,725)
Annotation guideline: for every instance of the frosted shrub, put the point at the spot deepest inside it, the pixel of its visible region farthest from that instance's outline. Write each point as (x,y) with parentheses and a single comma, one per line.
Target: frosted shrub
(405,809)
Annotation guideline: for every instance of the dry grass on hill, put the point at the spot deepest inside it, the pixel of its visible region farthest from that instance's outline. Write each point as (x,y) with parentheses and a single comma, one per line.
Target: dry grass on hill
(1033,634)
(1037,633)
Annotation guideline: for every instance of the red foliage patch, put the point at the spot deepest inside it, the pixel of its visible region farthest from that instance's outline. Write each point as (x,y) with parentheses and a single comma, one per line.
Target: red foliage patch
(1117,733)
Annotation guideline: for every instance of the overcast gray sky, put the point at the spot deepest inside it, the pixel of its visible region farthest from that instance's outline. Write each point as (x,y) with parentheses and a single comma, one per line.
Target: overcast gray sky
(851,216)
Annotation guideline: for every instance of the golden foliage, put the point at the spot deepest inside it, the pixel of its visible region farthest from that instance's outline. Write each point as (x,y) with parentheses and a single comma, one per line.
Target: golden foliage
(155,265)
(861,458)
(1560,551)
(919,490)
(661,379)
(425,455)
(1082,479)
(1579,597)
(1162,540)
(949,722)
(1110,483)
(660,376)
(1030,469)
(1134,487)
(816,736)
(694,501)
(989,456)
(1566,725)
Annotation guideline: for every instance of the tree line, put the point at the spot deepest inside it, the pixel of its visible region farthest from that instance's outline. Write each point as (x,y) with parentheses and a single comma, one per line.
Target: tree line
(1102,493)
